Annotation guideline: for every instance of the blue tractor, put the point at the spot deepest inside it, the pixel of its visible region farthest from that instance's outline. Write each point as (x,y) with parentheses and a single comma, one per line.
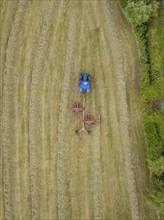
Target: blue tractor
(84,85)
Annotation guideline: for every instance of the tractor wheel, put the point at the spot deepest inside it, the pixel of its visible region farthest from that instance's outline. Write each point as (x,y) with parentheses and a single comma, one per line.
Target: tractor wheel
(89,77)
(80,76)
(89,132)
(76,132)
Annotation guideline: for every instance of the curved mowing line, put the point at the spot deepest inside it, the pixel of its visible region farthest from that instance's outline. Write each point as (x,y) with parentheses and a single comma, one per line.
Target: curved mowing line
(33,113)
(61,157)
(7,106)
(123,114)
(104,63)
(113,124)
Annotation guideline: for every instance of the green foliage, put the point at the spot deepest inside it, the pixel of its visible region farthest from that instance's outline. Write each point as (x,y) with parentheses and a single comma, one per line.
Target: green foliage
(150,93)
(140,12)
(156,194)
(157,166)
(155,148)
(123,3)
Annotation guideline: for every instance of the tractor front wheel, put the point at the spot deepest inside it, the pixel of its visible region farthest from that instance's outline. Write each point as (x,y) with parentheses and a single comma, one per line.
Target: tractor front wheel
(89,77)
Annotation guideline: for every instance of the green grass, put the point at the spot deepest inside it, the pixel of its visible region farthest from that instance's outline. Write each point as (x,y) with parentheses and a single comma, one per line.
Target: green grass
(155,120)
(155,38)
(156,49)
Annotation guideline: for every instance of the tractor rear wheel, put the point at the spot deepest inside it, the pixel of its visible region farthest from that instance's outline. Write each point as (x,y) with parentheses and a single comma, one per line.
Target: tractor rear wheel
(80,76)
(89,132)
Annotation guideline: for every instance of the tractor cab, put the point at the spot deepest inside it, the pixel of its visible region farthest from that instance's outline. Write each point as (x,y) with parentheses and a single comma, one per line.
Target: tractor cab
(84,85)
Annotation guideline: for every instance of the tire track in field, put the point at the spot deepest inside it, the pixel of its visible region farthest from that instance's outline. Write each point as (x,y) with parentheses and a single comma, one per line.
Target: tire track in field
(34,110)
(123,111)
(25,60)
(112,127)
(19,159)
(97,181)
(85,205)
(49,179)
(74,145)
(105,64)
(116,181)
(6,25)
(62,197)
(8,106)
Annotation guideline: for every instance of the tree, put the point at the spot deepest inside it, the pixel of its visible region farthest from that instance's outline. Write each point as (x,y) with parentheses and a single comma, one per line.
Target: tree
(139,12)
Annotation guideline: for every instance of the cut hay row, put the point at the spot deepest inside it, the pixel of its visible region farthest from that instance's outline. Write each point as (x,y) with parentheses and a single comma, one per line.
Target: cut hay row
(62,197)
(74,152)
(8,107)
(54,77)
(61,23)
(122,99)
(112,133)
(49,114)
(58,44)
(102,54)
(97,185)
(6,25)
(34,136)
(28,44)
(96,145)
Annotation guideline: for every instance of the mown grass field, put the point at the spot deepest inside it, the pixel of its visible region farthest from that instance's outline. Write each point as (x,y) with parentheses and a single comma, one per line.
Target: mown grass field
(47,171)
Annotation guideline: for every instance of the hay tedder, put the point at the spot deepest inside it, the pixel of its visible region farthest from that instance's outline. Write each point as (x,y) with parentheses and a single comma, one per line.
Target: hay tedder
(88,120)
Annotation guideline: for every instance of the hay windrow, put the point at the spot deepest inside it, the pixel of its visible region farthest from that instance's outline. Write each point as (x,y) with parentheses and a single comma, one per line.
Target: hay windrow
(34,106)
(8,106)
(61,159)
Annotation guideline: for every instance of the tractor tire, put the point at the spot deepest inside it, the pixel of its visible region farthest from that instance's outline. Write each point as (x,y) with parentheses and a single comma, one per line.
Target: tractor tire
(89,132)
(89,77)
(76,132)
(80,76)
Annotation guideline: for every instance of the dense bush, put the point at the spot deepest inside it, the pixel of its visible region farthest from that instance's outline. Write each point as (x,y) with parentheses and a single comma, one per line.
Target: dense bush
(155,149)
(156,194)
(140,12)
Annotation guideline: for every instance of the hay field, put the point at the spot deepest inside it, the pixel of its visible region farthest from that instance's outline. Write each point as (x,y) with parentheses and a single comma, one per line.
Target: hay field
(47,171)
